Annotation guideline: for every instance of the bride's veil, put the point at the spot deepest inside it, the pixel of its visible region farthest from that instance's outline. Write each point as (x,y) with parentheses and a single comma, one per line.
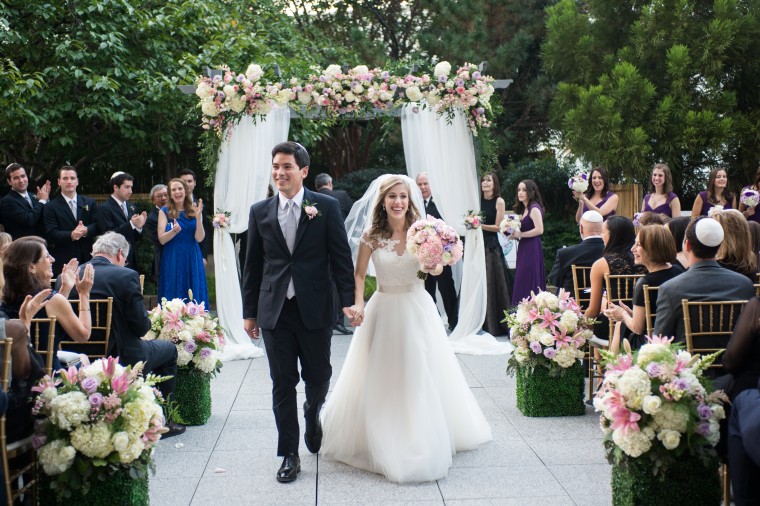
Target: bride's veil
(358,219)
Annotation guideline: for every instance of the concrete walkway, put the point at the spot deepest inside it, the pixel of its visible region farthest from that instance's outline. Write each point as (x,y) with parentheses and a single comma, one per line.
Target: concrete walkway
(232,459)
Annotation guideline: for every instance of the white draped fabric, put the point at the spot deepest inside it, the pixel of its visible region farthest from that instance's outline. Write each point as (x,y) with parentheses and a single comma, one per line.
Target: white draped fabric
(243,173)
(445,151)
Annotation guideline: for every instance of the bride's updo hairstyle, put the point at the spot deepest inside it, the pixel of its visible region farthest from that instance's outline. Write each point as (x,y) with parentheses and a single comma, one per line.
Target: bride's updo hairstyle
(379,226)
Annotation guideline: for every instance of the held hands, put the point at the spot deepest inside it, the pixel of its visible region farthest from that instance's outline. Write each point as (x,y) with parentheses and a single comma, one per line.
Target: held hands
(138,220)
(198,207)
(355,313)
(43,192)
(251,329)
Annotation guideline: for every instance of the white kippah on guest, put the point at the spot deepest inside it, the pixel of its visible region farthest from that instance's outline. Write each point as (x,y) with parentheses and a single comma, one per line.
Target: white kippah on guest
(709,232)
(117,173)
(592,217)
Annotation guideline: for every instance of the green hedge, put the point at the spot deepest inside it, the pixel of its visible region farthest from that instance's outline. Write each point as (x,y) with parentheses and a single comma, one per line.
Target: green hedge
(690,482)
(117,490)
(192,397)
(539,394)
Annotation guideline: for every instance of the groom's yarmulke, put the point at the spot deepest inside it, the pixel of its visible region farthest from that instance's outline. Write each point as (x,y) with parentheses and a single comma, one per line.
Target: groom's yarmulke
(117,173)
(709,232)
(592,217)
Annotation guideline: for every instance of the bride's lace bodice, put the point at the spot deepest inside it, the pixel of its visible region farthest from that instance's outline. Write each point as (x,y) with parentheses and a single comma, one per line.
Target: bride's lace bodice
(392,269)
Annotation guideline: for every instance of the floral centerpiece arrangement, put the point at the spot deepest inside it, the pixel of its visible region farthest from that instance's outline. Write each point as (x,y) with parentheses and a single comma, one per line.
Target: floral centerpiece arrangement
(99,426)
(750,197)
(549,333)
(199,340)
(510,224)
(435,244)
(473,219)
(661,423)
(579,182)
(221,219)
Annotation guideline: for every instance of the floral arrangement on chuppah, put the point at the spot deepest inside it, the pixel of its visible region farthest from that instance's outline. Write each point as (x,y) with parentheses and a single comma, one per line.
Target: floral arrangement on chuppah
(549,333)
(98,427)
(435,244)
(221,219)
(199,340)
(661,424)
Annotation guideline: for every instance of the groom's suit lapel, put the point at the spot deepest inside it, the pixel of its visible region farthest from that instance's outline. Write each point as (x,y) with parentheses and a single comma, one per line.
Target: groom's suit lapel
(279,236)
(303,220)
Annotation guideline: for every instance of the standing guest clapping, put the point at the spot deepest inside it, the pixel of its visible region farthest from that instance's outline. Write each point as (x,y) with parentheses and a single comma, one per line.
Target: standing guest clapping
(20,209)
(119,215)
(752,213)
(181,232)
(497,291)
(529,269)
(598,197)
(717,194)
(661,198)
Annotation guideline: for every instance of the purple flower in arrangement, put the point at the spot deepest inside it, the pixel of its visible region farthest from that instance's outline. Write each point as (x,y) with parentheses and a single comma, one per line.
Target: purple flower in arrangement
(480,110)
(385,74)
(550,353)
(415,109)
(442,79)
(393,87)
(96,400)
(654,370)
(240,78)
(535,346)
(38,441)
(704,411)
(460,82)
(90,384)
(206,352)
(681,384)
(476,75)
(703,429)
(220,94)
(190,347)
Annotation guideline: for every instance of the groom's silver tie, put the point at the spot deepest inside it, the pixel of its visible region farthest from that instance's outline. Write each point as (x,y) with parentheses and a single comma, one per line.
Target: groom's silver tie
(291,224)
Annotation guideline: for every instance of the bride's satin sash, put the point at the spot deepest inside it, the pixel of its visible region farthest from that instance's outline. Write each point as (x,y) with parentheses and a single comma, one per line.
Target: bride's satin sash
(401,288)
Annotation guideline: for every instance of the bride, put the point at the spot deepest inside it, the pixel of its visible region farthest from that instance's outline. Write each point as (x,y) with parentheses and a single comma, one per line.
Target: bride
(401,406)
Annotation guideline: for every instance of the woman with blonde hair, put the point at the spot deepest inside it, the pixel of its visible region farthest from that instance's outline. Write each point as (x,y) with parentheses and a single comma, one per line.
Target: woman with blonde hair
(661,198)
(717,194)
(735,252)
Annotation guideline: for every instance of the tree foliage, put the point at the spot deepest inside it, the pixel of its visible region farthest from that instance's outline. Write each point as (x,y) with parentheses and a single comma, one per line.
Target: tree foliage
(670,80)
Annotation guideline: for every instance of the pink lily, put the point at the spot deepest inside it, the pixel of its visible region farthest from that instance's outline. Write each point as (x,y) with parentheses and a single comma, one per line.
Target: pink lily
(44,383)
(533,314)
(562,338)
(121,384)
(578,340)
(550,320)
(659,340)
(109,368)
(173,321)
(625,420)
(70,376)
(623,363)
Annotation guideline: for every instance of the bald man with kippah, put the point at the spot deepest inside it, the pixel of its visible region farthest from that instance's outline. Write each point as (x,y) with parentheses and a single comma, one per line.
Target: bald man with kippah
(583,254)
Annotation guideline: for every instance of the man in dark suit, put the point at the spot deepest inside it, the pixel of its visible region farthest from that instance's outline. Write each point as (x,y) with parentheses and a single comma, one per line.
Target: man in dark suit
(445,280)
(296,244)
(130,320)
(159,194)
(21,211)
(744,447)
(583,254)
(705,280)
(69,218)
(188,176)
(323,183)
(117,214)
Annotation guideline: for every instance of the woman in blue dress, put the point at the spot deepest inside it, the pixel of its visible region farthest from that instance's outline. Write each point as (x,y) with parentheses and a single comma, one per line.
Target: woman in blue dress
(180,232)
(661,198)
(529,267)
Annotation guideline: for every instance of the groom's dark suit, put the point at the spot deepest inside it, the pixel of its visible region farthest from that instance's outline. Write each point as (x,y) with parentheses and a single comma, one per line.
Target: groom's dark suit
(445,280)
(300,327)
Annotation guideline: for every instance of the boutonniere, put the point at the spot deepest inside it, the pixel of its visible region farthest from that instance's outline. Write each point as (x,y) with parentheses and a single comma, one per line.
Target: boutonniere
(311,209)
(131,209)
(86,208)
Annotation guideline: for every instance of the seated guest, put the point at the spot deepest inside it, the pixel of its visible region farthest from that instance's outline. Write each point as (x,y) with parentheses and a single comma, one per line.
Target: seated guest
(742,357)
(735,253)
(704,281)
(5,240)
(583,254)
(130,319)
(27,267)
(754,232)
(677,227)
(650,218)
(654,250)
(744,447)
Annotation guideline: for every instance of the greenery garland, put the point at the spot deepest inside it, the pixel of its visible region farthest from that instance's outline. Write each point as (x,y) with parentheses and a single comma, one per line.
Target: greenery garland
(541,393)
(192,396)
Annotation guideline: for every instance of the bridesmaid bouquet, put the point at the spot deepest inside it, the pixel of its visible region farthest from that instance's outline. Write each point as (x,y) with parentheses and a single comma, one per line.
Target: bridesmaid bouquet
(655,403)
(96,421)
(579,182)
(473,220)
(198,337)
(548,331)
(637,219)
(510,224)
(713,210)
(750,197)
(434,243)
(221,219)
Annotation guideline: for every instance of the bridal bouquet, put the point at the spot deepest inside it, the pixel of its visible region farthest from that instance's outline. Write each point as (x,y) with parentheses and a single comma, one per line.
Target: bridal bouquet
(749,197)
(96,421)
(655,403)
(510,224)
(473,220)
(434,243)
(579,182)
(221,219)
(198,337)
(548,331)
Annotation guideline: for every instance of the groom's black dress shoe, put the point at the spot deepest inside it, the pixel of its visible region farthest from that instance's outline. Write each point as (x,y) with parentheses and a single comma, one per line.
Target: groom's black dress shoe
(313,438)
(291,466)
(341,329)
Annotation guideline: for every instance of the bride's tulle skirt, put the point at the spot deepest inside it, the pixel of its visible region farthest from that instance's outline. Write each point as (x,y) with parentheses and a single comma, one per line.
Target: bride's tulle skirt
(401,406)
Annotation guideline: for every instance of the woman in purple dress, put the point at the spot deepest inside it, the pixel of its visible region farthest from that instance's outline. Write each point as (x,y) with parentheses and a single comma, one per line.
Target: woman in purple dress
(751,213)
(717,194)
(598,197)
(529,267)
(661,198)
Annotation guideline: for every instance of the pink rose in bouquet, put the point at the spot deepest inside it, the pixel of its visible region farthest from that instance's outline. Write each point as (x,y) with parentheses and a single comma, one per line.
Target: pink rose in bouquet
(435,244)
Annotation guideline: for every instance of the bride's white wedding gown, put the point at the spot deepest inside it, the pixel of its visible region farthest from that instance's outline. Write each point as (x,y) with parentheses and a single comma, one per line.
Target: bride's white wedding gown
(401,406)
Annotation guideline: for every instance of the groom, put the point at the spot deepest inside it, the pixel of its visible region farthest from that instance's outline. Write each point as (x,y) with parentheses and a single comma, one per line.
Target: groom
(296,239)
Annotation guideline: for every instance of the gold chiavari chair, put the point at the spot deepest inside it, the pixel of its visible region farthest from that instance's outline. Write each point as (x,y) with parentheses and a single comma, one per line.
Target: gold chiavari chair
(620,289)
(97,346)
(142,283)
(757,289)
(43,331)
(650,306)
(582,285)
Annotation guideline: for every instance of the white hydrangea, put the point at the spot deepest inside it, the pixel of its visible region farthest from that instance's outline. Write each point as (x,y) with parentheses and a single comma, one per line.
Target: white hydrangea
(69,410)
(414,94)
(713,434)
(350,97)
(569,320)
(183,356)
(670,439)
(150,336)
(718,412)
(671,417)
(521,354)
(209,108)
(522,314)
(120,441)
(635,443)
(634,385)
(49,394)
(650,352)
(649,432)
(566,357)
(237,103)
(138,415)
(206,365)
(56,457)
(332,70)
(94,440)
(254,72)
(651,404)
(547,299)
(132,451)
(695,387)
(360,69)
(284,96)
(304,98)
(442,69)
(204,91)
(535,334)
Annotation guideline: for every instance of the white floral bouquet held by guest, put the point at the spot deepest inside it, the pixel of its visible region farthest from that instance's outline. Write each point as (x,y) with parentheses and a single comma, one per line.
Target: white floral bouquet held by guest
(579,182)
(510,224)
(435,244)
(473,220)
(95,421)
(655,402)
(549,331)
(713,210)
(221,219)
(198,337)
(750,197)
